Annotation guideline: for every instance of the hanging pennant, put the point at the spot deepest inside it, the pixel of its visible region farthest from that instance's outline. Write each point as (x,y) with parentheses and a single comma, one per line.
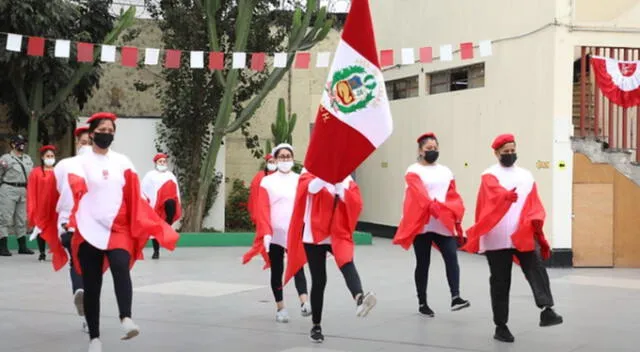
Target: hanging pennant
(618,80)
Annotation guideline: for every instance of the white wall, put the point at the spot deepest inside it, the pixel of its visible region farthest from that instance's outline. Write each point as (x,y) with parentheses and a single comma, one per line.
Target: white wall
(135,137)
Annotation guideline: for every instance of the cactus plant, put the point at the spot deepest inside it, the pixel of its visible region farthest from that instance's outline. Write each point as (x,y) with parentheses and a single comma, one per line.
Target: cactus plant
(282,129)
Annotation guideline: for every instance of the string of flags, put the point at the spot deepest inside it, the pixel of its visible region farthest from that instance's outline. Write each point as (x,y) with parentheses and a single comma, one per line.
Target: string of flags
(129,55)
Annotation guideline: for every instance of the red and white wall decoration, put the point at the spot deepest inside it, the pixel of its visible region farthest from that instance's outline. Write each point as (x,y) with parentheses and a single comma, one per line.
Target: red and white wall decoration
(618,80)
(170,58)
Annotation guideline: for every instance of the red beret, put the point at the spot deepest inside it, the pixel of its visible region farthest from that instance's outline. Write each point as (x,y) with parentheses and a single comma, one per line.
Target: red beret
(268,157)
(160,156)
(502,140)
(102,115)
(426,135)
(80,130)
(47,147)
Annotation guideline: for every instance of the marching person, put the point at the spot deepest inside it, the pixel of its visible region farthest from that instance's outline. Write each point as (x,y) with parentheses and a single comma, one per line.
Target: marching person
(39,199)
(15,167)
(323,221)
(508,224)
(432,214)
(160,186)
(254,189)
(69,188)
(273,214)
(112,223)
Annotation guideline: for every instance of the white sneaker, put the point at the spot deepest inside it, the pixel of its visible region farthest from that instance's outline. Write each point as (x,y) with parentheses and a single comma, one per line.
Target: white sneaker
(365,304)
(305,310)
(85,328)
(95,345)
(282,316)
(78,301)
(130,328)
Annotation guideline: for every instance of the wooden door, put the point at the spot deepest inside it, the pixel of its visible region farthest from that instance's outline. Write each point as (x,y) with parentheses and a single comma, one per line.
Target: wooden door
(593,244)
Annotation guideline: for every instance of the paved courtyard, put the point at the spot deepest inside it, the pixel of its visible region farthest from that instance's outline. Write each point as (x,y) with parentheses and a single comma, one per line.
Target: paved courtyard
(202,299)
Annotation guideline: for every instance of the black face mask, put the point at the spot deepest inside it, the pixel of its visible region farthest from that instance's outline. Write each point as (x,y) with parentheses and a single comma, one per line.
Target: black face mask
(103,140)
(507,160)
(430,156)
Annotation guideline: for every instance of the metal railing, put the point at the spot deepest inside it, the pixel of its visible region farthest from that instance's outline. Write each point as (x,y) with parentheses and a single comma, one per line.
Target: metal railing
(618,127)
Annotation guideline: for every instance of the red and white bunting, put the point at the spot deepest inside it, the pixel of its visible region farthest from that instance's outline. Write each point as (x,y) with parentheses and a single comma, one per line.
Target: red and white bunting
(129,56)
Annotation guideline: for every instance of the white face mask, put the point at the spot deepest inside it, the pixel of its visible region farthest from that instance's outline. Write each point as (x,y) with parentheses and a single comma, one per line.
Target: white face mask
(49,162)
(161,168)
(84,149)
(285,166)
(271,167)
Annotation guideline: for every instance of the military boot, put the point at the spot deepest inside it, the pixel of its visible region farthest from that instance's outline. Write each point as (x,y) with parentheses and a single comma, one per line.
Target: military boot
(4,251)
(22,246)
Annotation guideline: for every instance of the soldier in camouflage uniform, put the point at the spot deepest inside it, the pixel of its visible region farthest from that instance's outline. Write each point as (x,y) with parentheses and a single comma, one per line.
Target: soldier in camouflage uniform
(15,167)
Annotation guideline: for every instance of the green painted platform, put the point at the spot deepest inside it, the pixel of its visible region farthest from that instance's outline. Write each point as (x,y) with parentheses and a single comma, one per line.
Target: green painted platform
(227,239)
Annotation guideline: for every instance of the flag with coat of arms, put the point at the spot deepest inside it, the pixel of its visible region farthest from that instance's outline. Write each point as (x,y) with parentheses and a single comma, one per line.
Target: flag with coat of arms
(354,118)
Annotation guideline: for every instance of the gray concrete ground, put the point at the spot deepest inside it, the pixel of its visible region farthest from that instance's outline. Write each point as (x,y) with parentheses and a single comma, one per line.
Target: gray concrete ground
(202,299)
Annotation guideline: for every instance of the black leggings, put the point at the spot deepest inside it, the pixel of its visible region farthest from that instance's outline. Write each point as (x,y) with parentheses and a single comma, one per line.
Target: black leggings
(170,211)
(76,279)
(317,259)
(276,257)
(91,262)
(42,245)
(448,248)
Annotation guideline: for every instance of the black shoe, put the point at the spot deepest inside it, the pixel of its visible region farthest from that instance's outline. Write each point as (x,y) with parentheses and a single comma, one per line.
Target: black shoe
(155,255)
(459,303)
(22,246)
(548,317)
(316,334)
(4,251)
(42,257)
(425,310)
(503,334)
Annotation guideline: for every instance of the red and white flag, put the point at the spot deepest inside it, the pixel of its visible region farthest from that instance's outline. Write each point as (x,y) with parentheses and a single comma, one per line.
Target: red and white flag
(354,116)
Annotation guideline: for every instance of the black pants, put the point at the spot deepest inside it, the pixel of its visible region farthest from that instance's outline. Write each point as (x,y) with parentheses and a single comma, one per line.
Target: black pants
(276,257)
(91,261)
(42,245)
(449,249)
(170,211)
(317,258)
(500,263)
(76,279)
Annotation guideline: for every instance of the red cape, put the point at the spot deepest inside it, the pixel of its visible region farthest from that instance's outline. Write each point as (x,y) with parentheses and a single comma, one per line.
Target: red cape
(262,213)
(133,225)
(42,198)
(416,213)
(491,207)
(254,188)
(338,222)
(168,191)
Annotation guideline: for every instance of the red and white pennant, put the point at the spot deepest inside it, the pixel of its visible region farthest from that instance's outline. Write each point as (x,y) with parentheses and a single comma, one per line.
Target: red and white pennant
(129,55)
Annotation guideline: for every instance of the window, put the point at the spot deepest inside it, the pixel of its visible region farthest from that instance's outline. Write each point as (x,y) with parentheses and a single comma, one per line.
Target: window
(402,88)
(467,77)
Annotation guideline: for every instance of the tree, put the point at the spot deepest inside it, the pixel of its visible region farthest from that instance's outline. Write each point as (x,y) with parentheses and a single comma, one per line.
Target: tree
(198,104)
(37,90)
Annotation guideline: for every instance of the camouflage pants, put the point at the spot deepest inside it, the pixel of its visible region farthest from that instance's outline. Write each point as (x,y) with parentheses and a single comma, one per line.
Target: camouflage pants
(13,209)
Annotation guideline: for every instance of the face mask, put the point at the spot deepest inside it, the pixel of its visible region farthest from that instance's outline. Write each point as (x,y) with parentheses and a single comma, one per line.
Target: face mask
(507,160)
(20,147)
(84,149)
(430,156)
(103,140)
(272,167)
(285,166)
(161,168)
(49,162)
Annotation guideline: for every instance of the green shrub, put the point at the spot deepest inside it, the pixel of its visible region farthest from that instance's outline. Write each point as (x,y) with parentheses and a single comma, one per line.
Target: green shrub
(236,212)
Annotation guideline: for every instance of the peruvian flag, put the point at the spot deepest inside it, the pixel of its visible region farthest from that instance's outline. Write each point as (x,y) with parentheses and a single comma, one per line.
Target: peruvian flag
(354,117)
(618,80)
